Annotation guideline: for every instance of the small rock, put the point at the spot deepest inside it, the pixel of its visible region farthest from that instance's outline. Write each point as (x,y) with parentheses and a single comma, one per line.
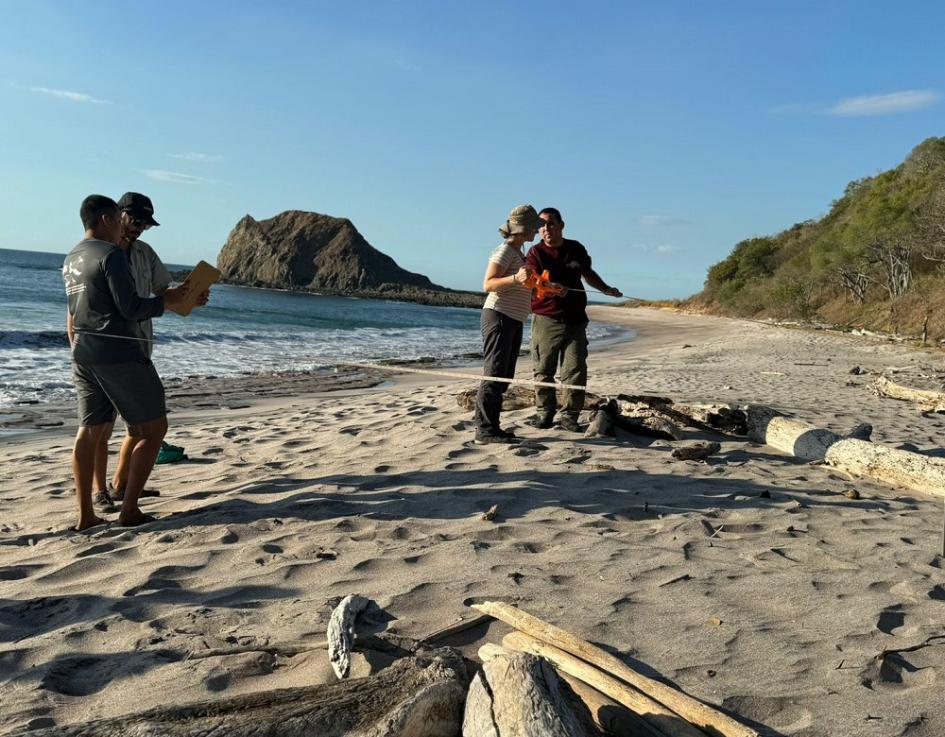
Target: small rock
(715,622)
(851,494)
(326,555)
(490,514)
(856,371)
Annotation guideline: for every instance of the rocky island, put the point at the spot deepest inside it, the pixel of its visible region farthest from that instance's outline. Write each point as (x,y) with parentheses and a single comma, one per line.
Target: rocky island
(307,251)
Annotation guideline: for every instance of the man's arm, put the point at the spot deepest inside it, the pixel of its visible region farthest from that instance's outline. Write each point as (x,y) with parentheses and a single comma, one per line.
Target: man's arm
(122,287)
(69,330)
(593,278)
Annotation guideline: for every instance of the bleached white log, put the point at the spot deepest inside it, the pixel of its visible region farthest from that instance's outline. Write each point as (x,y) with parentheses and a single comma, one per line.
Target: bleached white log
(341,633)
(689,708)
(927,399)
(889,465)
(525,698)
(796,438)
(656,714)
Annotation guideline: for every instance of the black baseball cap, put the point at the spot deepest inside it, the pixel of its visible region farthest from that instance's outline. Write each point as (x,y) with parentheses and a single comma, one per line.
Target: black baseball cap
(138,206)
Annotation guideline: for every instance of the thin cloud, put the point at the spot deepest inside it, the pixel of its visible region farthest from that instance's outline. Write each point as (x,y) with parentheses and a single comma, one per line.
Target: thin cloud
(893,103)
(173,177)
(198,157)
(662,220)
(662,248)
(69,95)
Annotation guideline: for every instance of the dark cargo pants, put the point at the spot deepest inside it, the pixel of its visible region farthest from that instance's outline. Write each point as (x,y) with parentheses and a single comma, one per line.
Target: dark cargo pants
(501,342)
(558,347)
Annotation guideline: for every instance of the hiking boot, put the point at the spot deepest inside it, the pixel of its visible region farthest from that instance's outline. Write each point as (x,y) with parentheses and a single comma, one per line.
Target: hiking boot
(507,434)
(541,421)
(103,499)
(493,438)
(569,423)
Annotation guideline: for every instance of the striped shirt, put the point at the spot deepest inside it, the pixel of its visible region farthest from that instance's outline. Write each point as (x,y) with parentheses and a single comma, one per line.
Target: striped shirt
(509,299)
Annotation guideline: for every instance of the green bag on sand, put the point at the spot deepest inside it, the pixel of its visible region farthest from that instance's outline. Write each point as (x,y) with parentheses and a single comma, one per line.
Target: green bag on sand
(170,453)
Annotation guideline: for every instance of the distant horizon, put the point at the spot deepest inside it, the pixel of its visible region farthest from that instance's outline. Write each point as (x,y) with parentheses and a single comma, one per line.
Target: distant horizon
(665,134)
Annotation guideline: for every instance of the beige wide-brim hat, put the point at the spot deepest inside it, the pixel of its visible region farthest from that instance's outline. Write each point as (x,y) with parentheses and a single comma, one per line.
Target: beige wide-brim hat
(522,219)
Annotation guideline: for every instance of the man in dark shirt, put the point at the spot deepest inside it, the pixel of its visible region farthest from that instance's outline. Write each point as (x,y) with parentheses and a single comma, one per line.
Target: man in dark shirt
(110,371)
(559,324)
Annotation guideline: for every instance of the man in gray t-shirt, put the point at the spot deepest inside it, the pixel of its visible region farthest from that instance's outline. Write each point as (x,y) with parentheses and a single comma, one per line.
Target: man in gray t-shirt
(110,371)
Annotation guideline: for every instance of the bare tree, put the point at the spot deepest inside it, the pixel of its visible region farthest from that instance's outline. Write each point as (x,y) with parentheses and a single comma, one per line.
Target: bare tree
(893,256)
(930,223)
(854,281)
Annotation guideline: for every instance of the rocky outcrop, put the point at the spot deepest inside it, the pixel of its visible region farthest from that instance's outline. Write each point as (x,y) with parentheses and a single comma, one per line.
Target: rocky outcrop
(319,253)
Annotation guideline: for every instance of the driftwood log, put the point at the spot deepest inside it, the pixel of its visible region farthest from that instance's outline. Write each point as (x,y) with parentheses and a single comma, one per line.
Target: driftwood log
(521,695)
(516,397)
(889,465)
(691,709)
(850,455)
(927,399)
(655,714)
(696,451)
(612,718)
(721,418)
(341,633)
(419,696)
(796,438)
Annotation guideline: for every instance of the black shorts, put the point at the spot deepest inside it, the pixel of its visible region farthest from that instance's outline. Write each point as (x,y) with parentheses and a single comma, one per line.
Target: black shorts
(134,389)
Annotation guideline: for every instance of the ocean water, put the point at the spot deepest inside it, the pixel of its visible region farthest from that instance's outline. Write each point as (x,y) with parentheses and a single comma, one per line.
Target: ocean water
(242,331)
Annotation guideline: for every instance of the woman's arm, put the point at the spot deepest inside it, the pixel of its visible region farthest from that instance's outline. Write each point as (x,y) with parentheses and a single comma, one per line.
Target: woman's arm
(493,281)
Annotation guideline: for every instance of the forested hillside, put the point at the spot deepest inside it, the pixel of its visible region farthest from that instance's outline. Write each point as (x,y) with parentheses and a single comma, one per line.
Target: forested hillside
(876,260)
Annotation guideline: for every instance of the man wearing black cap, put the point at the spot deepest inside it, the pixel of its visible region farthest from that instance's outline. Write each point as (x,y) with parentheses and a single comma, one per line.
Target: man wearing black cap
(151,278)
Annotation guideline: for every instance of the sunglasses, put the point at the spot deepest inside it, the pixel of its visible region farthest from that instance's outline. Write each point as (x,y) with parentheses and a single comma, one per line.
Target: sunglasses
(135,223)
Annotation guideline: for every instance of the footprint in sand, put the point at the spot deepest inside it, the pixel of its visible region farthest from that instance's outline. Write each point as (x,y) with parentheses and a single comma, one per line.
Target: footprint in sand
(17,573)
(890,619)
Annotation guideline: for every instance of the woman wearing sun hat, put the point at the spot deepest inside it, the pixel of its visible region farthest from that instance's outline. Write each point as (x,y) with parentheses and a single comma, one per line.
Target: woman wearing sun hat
(507,306)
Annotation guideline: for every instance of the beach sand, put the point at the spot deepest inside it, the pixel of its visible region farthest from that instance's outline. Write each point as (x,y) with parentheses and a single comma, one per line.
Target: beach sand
(751,581)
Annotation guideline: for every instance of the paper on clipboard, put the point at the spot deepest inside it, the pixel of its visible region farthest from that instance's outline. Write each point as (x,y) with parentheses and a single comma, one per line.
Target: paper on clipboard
(197,282)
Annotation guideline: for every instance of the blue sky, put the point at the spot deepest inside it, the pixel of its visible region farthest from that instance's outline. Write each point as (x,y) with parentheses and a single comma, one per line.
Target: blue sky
(665,132)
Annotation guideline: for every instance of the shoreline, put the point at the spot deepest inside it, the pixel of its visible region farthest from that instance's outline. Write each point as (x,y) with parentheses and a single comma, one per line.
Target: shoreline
(751,581)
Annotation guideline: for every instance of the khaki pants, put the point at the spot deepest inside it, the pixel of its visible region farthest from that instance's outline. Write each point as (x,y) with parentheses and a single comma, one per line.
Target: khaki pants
(562,348)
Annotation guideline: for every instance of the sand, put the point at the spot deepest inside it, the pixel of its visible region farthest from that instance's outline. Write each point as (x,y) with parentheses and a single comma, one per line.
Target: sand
(751,582)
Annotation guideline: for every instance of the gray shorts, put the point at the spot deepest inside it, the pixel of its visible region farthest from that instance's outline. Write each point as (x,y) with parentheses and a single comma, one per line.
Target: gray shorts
(134,389)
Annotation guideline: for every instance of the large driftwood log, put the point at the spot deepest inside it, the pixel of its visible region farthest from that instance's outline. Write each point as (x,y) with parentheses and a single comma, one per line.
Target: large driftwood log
(520,695)
(611,717)
(796,438)
(655,714)
(850,455)
(722,418)
(691,709)
(928,400)
(889,465)
(420,696)
(517,397)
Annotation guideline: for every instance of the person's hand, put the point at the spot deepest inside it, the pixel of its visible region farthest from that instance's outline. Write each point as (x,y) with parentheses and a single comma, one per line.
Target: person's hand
(203,297)
(560,287)
(613,292)
(174,298)
(522,275)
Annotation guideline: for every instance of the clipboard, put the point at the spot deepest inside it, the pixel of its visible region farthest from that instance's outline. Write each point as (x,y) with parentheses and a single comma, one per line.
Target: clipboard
(197,281)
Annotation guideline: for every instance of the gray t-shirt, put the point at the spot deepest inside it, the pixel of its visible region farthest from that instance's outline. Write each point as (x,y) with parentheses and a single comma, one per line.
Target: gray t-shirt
(104,305)
(151,276)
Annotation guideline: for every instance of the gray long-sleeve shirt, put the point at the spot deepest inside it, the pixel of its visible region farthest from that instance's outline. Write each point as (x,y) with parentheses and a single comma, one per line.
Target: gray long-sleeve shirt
(104,305)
